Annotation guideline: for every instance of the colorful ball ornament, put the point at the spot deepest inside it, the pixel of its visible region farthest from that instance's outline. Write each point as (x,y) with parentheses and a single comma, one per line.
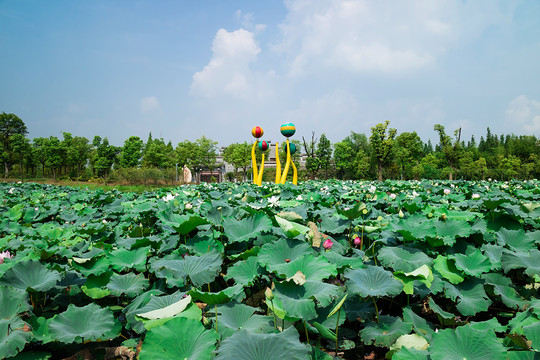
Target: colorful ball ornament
(263,145)
(257,132)
(288,130)
(293,148)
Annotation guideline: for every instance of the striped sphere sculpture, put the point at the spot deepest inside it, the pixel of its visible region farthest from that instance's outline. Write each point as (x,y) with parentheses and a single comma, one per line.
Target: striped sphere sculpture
(293,148)
(288,129)
(263,145)
(257,132)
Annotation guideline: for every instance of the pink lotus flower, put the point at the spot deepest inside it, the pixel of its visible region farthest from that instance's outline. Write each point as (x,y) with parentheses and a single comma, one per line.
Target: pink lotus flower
(327,244)
(5,255)
(357,241)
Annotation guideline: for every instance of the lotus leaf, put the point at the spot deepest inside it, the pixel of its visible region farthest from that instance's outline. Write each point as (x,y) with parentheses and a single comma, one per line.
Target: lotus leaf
(79,324)
(234,316)
(30,275)
(472,264)
(201,269)
(244,345)
(291,228)
(447,268)
(466,343)
(129,284)
(372,281)
(532,332)
(122,259)
(410,354)
(385,332)
(14,301)
(179,339)
(247,228)
(419,324)
(245,271)
(471,297)
(96,286)
(13,336)
(281,251)
(403,258)
(314,268)
(516,260)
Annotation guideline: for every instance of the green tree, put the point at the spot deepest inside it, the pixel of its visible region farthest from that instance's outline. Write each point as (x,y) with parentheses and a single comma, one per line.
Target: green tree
(324,154)
(158,154)
(10,124)
(239,156)
(131,152)
(409,152)
(207,152)
(54,155)
(312,163)
(344,158)
(382,144)
(451,151)
(21,147)
(105,156)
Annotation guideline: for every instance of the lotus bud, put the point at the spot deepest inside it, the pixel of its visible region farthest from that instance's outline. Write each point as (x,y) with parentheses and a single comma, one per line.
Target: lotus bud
(357,241)
(269,294)
(327,244)
(400,213)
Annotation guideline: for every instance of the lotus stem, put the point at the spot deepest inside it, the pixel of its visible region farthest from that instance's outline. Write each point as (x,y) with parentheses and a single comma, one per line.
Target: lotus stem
(305,329)
(376,309)
(337,326)
(274,313)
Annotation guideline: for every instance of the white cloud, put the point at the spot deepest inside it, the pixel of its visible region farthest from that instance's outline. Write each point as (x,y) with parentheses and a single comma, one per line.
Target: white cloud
(228,72)
(149,103)
(526,113)
(364,36)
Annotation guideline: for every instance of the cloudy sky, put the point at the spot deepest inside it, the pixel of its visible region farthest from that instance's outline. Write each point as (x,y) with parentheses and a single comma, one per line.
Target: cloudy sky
(182,69)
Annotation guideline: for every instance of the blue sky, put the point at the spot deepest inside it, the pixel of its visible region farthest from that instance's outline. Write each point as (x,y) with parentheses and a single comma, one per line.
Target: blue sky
(183,69)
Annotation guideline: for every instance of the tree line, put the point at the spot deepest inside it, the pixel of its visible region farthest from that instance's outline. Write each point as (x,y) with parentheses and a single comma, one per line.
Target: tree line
(385,154)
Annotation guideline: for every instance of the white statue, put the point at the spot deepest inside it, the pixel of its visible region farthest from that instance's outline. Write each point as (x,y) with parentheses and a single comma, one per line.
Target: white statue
(187,175)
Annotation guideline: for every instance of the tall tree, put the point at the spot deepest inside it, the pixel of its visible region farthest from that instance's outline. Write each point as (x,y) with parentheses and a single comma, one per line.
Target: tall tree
(239,156)
(382,144)
(409,150)
(451,151)
(324,153)
(21,146)
(312,163)
(10,124)
(131,152)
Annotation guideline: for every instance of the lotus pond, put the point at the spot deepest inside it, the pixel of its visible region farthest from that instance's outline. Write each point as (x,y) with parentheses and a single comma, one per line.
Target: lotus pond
(399,269)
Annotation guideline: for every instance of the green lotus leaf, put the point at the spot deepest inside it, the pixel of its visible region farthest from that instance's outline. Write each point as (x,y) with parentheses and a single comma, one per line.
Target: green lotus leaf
(466,343)
(516,240)
(233,317)
(14,301)
(202,245)
(192,311)
(79,324)
(32,355)
(13,337)
(385,332)
(334,224)
(15,213)
(494,254)
(318,354)
(411,341)
(414,229)
(221,297)
(324,331)
(491,324)
(122,259)
(314,268)
(30,275)
(167,311)
(532,332)
(521,320)
(439,311)
(282,251)
(146,302)
(516,260)
(129,284)
(341,262)
(372,281)
(244,345)
(502,286)
(179,339)
(96,286)
(201,269)
(291,228)
(95,266)
(410,354)
(402,258)
(422,274)
(471,297)
(450,229)
(183,224)
(245,272)
(419,324)
(447,268)
(40,329)
(247,228)
(472,264)
(292,302)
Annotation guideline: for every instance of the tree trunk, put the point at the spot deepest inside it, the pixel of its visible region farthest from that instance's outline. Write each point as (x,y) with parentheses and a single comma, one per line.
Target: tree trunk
(379,172)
